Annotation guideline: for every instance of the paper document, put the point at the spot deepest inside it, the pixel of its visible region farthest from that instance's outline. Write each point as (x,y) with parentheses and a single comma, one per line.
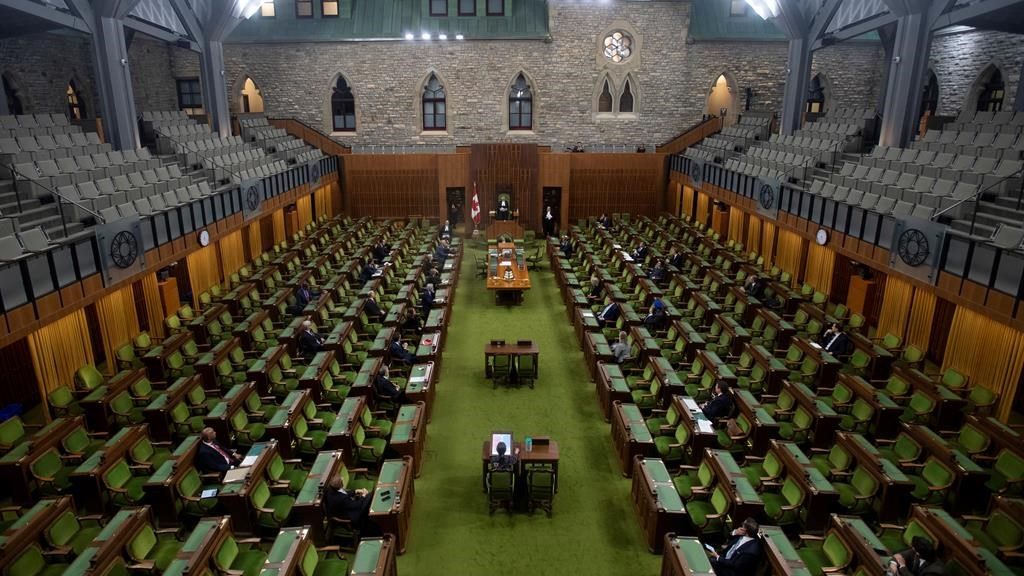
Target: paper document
(208,493)
(705,426)
(248,460)
(235,475)
(691,404)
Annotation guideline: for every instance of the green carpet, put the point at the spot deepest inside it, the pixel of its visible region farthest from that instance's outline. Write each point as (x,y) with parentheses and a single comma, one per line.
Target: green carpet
(593,530)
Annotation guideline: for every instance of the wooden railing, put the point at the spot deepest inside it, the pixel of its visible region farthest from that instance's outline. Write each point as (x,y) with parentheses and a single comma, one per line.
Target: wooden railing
(690,137)
(310,135)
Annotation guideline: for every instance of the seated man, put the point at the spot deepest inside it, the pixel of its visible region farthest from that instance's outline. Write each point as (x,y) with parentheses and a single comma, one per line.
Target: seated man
(211,456)
(835,341)
(595,289)
(566,247)
(372,309)
(755,287)
(411,322)
(721,403)
(502,462)
(310,342)
(656,318)
(640,252)
(609,314)
(918,560)
(446,231)
(380,251)
(657,273)
(385,389)
(353,506)
(605,221)
(504,212)
(675,258)
(399,352)
(427,299)
(620,350)
(441,253)
(368,272)
(741,555)
(304,296)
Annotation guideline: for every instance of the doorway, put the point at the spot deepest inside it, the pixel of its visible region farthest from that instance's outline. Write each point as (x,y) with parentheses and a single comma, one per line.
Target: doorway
(455,200)
(252,98)
(552,196)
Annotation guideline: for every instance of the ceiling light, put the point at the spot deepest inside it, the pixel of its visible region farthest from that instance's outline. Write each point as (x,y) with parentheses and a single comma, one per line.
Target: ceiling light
(409,36)
(460,37)
(765,8)
(442,36)
(247,8)
(425,36)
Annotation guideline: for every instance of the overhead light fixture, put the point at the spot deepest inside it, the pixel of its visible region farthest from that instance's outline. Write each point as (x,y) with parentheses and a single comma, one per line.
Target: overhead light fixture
(442,36)
(765,8)
(246,8)
(425,36)
(409,36)
(460,37)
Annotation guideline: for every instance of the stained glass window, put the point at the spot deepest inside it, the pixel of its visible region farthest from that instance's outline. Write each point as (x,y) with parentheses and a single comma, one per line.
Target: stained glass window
(618,46)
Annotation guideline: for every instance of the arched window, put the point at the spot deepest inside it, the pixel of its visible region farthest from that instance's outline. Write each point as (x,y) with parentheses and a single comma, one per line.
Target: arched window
(14,105)
(930,95)
(343,107)
(520,105)
(252,98)
(992,93)
(434,109)
(76,108)
(626,99)
(604,101)
(816,96)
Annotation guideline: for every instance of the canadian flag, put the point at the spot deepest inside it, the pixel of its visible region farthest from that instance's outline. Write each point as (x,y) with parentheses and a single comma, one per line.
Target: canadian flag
(474,208)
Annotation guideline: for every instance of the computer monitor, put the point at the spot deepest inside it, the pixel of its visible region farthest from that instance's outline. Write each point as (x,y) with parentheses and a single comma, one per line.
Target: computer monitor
(496,438)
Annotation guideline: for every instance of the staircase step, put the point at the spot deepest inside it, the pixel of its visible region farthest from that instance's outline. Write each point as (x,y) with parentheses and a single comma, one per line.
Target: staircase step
(26,217)
(10,207)
(58,230)
(982,231)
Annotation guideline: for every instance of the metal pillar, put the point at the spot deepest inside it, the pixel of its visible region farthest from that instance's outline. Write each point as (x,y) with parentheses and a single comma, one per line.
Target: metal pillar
(907,72)
(215,91)
(114,79)
(1018,100)
(4,106)
(887,34)
(798,76)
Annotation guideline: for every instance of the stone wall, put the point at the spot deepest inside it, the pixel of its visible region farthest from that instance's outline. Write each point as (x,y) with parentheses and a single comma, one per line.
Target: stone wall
(152,77)
(959,59)
(41,65)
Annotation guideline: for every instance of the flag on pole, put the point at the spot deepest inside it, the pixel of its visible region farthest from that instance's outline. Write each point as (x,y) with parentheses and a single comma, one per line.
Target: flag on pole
(474,210)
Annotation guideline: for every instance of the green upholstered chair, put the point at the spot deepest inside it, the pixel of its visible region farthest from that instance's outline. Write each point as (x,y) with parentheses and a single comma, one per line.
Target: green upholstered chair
(31,562)
(839,398)
(901,451)
(639,378)
(896,537)
(199,402)
(755,380)
(898,388)
(931,484)
(78,444)
(186,313)
(12,432)
(912,356)
(857,495)
(500,485)
(919,410)
(227,376)
(998,532)
(819,298)
(826,555)
(799,428)
(142,343)
(183,423)
(246,559)
(540,489)
(764,473)
(835,463)
(257,410)
(126,358)
(375,427)
(322,419)
(860,417)
(369,450)
(782,407)
(123,488)
(141,391)
(271,511)
(308,440)
(709,516)
(1007,474)
(174,324)
(972,441)
(981,401)
(856,323)
(334,388)
(954,380)
(247,433)
(124,410)
(145,453)
(840,312)
(794,356)
(694,482)
(190,488)
(68,535)
(50,474)
(88,378)
(62,402)
(190,349)
(526,369)
(647,399)
(672,448)
(783,508)
(858,362)
(288,475)
(500,367)
(176,365)
(890,342)
(663,421)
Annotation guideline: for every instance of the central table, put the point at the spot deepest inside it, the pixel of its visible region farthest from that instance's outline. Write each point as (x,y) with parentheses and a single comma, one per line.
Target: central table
(513,351)
(507,273)
(543,453)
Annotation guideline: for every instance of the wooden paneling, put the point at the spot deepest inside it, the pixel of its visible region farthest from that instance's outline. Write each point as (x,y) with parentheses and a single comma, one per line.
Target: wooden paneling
(453,172)
(392,185)
(556,172)
(632,183)
(512,168)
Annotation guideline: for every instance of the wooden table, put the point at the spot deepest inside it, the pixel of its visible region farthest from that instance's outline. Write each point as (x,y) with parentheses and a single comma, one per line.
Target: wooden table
(513,351)
(544,453)
(630,435)
(391,507)
(685,557)
(658,506)
(507,274)
(409,434)
(420,386)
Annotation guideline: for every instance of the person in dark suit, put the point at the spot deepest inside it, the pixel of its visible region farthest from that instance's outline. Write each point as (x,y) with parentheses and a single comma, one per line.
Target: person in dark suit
(835,341)
(605,221)
(595,290)
(304,296)
(427,299)
(380,251)
(656,318)
(657,273)
(918,560)
(503,462)
(411,322)
(386,389)
(445,233)
(372,309)
(503,210)
(609,314)
(212,457)
(441,252)
(353,506)
(566,247)
(548,222)
(741,555)
(721,404)
(675,258)
(310,342)
(400,352)
(755,287)
(368,271)
(640,253)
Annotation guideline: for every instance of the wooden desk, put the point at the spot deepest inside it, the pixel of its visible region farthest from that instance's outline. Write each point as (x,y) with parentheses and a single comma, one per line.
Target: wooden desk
(738,335)
(658,507)
(259,372)
(956,543)
(745,306)
(391,507)
(15,472)
(893,485)
(744,500)
(642,345)
(340,434)
(782,330)
(281,427)
(96,404)
(219,417)
(828,365)
(513,351)
(585,322)
(596,349)
(155,360)
(245,329)
(782,556)
(234,496)
(685,556)
(826,420)
(162,486)
(871,554)
(611,388)
(948,414)
(87,478)
(702,432)
(309,505)
(764,427)
(881,359)
(630,436)
(206,365)
(820,497)
(241,299)
(29,528)
(886,420)
(409,434)
(507,274)
(693,341)
(200,325)
(775,371)
(543,452)
(969,485)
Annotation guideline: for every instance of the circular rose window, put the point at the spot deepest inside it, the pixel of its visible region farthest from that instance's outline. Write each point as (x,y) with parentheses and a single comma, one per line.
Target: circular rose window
(618,46)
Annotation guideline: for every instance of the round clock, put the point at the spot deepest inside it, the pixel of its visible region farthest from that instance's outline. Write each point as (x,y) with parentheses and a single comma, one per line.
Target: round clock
(821,237)
(204,237)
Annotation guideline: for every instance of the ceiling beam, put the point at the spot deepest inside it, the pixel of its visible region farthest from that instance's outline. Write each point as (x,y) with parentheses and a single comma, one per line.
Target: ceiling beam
(951,17)
(854,30)
(187,17)
(824,17)
(158,32)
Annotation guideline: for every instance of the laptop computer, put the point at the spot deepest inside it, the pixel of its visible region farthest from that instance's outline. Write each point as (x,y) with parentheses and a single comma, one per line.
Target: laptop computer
(498,437)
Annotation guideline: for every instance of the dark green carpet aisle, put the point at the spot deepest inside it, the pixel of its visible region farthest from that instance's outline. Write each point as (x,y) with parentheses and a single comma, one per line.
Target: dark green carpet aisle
(593,530)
